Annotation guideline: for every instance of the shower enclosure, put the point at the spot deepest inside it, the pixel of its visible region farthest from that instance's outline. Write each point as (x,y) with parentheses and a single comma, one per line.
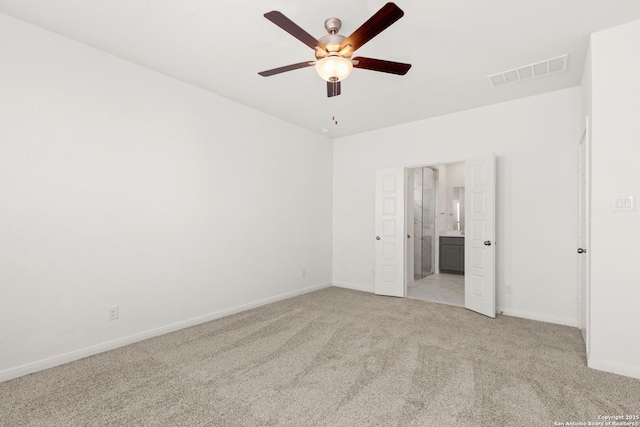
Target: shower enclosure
(425,184)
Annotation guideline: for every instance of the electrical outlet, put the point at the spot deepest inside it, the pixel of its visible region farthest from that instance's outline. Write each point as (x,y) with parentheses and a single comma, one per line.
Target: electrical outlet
(303,273)
(113,312)
(508,290)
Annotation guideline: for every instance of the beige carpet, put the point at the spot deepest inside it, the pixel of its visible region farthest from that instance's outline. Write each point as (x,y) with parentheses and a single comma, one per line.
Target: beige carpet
(334,357)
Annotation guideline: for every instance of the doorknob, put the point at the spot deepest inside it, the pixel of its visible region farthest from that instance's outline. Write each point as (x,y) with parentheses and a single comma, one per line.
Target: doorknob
(487,242)
(582,251)
(408,236)
(377,237)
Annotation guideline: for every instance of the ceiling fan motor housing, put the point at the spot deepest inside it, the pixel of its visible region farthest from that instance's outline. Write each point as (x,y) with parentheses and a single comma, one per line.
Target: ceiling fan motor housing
(333,40)
(332,44)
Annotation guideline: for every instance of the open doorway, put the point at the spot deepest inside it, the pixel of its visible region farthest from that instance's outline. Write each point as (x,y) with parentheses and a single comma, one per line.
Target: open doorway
(435,230)
(393,254)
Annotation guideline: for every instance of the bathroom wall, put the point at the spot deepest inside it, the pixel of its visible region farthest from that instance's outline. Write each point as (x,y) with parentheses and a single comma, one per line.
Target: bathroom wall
(450,175)
(455,179)
(455,175)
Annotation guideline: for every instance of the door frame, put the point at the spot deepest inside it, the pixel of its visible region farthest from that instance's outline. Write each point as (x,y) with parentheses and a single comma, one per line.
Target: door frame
(409,250)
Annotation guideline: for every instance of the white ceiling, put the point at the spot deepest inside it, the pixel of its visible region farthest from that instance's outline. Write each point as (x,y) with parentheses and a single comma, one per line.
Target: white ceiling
(453,46)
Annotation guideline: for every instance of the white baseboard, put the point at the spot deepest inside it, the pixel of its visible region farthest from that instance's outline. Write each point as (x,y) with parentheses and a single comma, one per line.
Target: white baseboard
(354,287)
(601,365)
(540,317)
(514,313)
(120,342)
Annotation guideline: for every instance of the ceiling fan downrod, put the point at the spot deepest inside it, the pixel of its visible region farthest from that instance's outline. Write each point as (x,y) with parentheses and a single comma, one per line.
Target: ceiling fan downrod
(333,25)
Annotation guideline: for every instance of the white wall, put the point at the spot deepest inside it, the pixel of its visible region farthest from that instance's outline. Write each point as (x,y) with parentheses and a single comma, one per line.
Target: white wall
(615,281)
(536,143)
(119,185)
(455,175)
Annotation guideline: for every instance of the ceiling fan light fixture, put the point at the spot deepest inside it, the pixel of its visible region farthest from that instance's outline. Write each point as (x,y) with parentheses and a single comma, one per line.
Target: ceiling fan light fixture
(334,68)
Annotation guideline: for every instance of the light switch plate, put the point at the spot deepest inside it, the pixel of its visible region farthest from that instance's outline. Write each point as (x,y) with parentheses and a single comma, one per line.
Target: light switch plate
(624,203)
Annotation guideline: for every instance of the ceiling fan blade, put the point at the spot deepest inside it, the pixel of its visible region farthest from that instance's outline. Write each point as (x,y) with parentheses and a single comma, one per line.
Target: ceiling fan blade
(292,28)
(333,89)
(381,20)
(381,65)
(286,68)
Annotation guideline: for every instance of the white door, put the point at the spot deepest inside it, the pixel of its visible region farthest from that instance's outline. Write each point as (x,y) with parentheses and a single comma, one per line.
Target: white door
(389,238)
(583,236)
(480,245)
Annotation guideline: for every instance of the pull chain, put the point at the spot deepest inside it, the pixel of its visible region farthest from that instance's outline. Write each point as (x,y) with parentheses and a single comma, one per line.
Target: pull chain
(333,108)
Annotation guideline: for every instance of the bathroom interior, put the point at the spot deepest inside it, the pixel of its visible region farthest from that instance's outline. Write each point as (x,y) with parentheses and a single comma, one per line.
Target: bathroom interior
(435,248)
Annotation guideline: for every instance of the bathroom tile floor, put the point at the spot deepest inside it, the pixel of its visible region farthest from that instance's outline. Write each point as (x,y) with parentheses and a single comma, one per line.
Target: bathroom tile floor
(443,288)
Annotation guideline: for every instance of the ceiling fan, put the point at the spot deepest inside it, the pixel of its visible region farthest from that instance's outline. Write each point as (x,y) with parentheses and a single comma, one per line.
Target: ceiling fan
(333,51)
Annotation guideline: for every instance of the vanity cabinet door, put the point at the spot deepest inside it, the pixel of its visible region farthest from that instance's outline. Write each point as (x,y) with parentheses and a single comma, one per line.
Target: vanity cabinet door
(452,255)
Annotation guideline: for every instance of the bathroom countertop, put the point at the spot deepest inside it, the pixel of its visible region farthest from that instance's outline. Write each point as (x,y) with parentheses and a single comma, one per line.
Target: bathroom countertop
(453,234)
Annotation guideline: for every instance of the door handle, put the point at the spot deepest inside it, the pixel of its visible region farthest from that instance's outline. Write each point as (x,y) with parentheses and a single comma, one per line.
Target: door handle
(487,242)
(582,251)
(377,237)
(408,236)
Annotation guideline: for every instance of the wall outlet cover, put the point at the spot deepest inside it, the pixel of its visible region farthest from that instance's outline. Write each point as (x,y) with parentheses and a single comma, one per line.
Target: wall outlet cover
(112,312)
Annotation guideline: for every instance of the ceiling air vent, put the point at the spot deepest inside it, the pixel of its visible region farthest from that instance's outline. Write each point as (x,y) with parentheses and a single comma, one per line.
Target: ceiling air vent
(532,71)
